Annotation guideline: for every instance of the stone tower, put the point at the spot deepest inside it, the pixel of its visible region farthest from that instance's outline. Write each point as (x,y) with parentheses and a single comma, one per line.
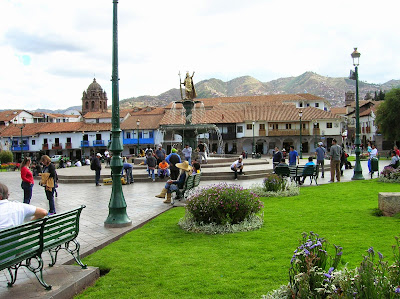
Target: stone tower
(349,97)
(94,99)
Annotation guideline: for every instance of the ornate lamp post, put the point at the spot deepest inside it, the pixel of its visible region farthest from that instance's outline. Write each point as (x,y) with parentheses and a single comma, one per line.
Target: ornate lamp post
(301,144)
(138,150)
(315,123)
(254,144)
(21,128)
(357,168)
(117,216)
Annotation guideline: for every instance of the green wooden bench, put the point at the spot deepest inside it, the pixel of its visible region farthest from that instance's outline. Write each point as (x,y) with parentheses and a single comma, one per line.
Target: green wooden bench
(192,182)
(310,171)
(22,244)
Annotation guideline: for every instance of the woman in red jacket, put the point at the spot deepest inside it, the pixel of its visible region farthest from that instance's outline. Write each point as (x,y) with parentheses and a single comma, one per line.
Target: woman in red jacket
(27,179)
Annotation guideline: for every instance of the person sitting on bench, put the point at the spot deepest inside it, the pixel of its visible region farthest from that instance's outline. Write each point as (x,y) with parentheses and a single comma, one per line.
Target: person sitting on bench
(307,166)
(14,213)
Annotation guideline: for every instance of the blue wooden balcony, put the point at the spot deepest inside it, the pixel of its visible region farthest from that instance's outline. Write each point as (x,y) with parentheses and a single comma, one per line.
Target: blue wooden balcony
(84,143)
(98,143)
(17,148)
(134,141)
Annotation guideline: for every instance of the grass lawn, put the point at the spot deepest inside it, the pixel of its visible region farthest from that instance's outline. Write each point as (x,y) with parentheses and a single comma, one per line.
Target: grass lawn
(160,260)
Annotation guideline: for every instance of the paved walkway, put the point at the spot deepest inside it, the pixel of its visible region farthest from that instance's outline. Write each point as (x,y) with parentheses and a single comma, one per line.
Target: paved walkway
(142,206)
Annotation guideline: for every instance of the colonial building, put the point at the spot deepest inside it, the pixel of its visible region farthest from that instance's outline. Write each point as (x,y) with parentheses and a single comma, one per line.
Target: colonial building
(94,99)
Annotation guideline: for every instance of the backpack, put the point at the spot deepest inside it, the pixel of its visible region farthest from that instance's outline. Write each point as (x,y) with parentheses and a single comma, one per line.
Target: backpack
(92,165)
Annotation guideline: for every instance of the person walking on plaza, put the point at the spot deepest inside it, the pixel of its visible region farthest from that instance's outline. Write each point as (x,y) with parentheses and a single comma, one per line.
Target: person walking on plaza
(335,154)
(173,159)
(202,152)
(237,166)
(320,152)
(293,156)
(27,179)
(174,185)
(96,166)
(372,155)
(49,181)
(14,213)
(277,157)
(187,152)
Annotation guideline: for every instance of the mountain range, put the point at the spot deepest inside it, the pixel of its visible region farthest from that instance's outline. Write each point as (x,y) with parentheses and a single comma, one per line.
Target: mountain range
(332,89)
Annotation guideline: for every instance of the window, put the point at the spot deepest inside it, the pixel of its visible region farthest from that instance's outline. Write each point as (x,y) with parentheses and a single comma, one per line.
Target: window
(316,125)
(249,126)
(316,105)
(57,141)
(288,126)
(45,141)
(33,142)
(128,135)
(301,104)
(92,104)
(329,125)
(151,135)
(262,127)
(69,139)
(97,120)
(87,105)
(304,126)
(240,129)
(275,126)
(140,135)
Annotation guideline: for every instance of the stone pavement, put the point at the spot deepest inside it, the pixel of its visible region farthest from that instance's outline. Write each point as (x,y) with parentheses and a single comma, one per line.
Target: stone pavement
(142,206)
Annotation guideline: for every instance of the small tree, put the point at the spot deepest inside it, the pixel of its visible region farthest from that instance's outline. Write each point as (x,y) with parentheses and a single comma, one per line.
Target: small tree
(6,156)
(387,116)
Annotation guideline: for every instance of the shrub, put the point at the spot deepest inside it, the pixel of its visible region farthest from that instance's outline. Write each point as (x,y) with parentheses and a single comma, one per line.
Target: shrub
(222,204)
(390,175)
(6,156)
(274,183)
(291,190)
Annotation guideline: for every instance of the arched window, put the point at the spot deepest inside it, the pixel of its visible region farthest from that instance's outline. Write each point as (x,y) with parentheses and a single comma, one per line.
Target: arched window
(92,104)
(87,105)
(100,105)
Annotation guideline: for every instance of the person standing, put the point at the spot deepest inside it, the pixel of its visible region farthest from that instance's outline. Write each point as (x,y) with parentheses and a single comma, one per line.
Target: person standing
(96,166)
(187,152)
(237,166)
(151,163)
(372,155)
(293,155)
(48,181)
(27,180)
(277,157)
(173,159)
(160,154)
(320,152)
(396,150)
(14,213)
(202,152)
(335,154)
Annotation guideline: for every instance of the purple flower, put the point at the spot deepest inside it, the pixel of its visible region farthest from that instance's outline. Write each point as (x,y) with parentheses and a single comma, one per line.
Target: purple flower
(380,255)
(328,275)
(339,253)
(397,291)
(371,250)
(330,270)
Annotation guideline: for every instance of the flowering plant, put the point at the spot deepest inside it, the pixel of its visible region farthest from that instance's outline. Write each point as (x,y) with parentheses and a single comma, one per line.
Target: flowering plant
(222,204)
(274,183)
(390,175)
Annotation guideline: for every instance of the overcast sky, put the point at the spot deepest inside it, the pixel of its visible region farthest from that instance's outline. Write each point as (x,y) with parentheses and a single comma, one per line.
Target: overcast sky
(51,50)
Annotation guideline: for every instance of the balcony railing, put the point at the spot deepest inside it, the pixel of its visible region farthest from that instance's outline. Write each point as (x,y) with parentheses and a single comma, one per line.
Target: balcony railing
(286,132)
(225,136)
(98,142)
(316,131)
(134,141)
(56,146)
(262,133)
(68,145)
(17,148)
(84,143)
(45,146)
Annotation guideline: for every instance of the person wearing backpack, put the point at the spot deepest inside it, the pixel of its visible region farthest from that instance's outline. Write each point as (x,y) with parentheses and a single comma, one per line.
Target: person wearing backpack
(49,181)
(96,166)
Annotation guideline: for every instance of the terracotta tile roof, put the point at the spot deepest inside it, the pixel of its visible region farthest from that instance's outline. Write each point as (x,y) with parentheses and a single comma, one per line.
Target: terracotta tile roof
(147,121)
(339,110)
(28,130)
(85,127)
(8,115)
(60,127)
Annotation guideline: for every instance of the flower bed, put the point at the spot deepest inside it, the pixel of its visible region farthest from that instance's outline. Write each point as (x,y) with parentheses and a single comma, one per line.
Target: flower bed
(313,274)
(221,208)
(390,175)
(9,166)
(275,186)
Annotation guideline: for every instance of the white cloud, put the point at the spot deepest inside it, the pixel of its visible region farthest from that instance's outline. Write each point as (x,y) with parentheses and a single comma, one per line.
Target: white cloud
(70,42)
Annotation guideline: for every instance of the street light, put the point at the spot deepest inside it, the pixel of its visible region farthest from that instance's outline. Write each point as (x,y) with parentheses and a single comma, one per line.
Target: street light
(301,145)
(357,168)
(254,144)
(315,134)
(138,124)
(22,143)
(117,216)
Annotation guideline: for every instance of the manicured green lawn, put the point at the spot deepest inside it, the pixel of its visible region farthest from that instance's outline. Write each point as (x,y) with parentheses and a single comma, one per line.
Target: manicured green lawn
(160,260)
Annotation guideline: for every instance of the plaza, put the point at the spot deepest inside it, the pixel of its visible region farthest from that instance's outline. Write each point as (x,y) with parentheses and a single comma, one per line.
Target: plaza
(142,206)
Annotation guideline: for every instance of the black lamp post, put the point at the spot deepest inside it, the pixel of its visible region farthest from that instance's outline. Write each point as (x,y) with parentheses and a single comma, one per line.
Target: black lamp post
(315,123)
(357,168)
(21,128)
(301,145)
(117,216)
(254,144)
(138,150)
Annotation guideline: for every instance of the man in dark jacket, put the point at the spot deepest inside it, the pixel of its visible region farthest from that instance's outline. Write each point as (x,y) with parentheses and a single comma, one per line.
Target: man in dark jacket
(277,157)
(96,166)
(172,159)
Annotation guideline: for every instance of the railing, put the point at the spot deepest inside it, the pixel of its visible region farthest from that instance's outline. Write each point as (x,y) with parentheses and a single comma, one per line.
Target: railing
(17,148)
(98,142)
(134,141)
(84,143)
(68,145)
(225,136)
(287,132)
(368,130)
(45,146)
(316,131)
(56,146)
(262,133)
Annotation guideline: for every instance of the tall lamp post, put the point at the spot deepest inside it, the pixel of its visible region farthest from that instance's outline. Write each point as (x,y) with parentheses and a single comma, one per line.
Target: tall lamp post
(301,144)
(22,143)
(117,216)
(357,168)
(254,144)
(138,150)
(315,123)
